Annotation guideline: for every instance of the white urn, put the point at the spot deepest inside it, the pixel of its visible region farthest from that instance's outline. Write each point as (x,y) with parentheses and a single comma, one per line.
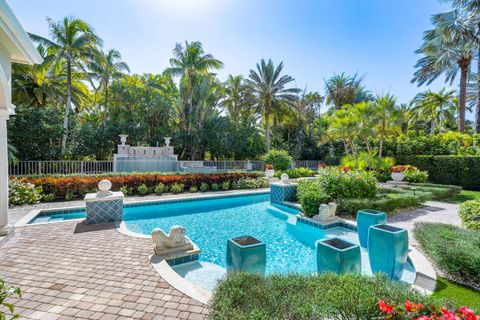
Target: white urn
(123,138)
(398,176)
(167,141)
(269,173)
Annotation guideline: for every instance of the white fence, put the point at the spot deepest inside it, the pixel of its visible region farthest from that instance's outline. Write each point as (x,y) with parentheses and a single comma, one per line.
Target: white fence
(23,168)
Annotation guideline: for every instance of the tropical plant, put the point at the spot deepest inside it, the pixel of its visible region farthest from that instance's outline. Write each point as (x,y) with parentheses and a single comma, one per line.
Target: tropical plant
(435,107)
(270,91)
(279,159)
(6,292)
(344,89)
(387,115)
(239,100)
(72,42)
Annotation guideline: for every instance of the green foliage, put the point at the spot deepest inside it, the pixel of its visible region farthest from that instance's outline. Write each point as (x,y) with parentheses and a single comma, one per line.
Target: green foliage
(49,197)
(310,195)
(160,188)
(462,171)
(296,173)
(383,175)
(367,161)
(215,187)
(460,295)
(126,190)
(193,189)
(204,187)
(280,159)
(467,212)
(226,185)
(143,189)
(328,296)
(249,183)
(177,187)
(7,309)
(20,193)
(416,176)
(453,250)
(69,196)
(338,183)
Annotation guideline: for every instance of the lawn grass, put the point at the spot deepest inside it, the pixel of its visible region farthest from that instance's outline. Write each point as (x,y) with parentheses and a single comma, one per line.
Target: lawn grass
(460,295)
(465,195)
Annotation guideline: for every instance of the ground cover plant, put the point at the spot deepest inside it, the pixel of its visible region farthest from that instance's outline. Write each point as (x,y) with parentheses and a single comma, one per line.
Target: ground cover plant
(460,295)
(329,296)
(453,250)
(469,213)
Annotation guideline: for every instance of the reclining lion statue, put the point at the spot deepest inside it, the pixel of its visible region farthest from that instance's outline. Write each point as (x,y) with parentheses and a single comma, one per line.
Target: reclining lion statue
(326,211)
(176,240)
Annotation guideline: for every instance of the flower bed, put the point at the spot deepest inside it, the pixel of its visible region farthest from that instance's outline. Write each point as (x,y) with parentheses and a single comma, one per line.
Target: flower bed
(70,186)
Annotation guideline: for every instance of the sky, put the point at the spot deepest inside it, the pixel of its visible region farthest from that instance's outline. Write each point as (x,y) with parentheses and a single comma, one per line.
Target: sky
(314,38)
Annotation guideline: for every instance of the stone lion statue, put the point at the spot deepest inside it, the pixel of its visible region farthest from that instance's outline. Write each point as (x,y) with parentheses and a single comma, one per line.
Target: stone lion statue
(326,211)
(175,240)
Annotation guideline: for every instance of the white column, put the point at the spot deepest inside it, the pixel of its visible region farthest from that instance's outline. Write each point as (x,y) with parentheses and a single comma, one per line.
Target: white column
(5,228)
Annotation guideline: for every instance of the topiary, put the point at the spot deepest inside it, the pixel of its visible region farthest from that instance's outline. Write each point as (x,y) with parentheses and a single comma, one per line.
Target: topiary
(280,159)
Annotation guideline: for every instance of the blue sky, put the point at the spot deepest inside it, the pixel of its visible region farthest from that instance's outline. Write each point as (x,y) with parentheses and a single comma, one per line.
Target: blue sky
(314,38)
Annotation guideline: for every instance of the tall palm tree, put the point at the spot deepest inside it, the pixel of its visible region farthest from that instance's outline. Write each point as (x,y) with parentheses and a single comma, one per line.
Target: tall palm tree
(447,49)
(473,9)
(190,62)
(435,107)
(239,99)
(343,89)
(387,116)
(271,93)
(106,67)
(72,42)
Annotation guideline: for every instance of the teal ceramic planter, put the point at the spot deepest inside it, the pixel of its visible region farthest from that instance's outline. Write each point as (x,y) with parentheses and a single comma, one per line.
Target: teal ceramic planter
(388,250)
(365,219)
(339,256)
(246,254)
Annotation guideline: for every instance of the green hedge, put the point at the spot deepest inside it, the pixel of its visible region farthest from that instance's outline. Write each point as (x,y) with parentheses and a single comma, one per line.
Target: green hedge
(467,212)
(329,296)
(453,250)
(462,171)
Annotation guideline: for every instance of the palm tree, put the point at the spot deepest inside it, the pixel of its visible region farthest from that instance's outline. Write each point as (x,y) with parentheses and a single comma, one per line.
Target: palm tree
(270,91)
(72,42)
(239,99)
(387,116)
(343,89)
(189,62)
(106,67)
(447,49)
(435,107)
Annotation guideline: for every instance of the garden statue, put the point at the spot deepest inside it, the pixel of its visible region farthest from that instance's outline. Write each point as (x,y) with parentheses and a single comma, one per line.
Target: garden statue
(175,241)
(326,211)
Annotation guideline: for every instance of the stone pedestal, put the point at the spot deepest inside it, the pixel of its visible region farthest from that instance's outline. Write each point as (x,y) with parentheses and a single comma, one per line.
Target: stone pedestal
(104,207)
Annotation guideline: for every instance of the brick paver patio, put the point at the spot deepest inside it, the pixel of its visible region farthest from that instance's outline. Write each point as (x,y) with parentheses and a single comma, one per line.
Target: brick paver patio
(72,271)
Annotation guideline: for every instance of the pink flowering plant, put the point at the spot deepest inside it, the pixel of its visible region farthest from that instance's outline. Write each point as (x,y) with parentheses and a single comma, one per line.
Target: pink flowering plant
(412,311)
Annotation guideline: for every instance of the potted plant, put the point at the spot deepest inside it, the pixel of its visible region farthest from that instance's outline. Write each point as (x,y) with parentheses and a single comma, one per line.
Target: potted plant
(269,170)
(397,173)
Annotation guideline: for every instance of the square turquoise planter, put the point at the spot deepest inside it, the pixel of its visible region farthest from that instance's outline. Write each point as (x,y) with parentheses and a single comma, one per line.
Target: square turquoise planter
(365,219)
(246,254)
(388,250)
(339,256)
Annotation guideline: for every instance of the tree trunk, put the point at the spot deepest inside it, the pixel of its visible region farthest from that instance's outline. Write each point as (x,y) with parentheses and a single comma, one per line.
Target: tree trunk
(382,135)
(464,64)
(267,129)
(477,108)
(105,112)
(68,106)
(432,125)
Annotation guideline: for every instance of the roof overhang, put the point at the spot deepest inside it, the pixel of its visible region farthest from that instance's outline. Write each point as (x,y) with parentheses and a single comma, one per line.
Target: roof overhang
(14,38)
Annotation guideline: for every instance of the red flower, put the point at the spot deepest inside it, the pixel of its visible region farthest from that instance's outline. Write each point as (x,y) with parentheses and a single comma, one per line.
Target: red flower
(469,315)
(345,168)
(385,308)
(409,306)
(447,315)
(269,166)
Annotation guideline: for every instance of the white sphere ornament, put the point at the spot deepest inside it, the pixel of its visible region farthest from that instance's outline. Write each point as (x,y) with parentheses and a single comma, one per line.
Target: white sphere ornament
(284,177)
(104,185)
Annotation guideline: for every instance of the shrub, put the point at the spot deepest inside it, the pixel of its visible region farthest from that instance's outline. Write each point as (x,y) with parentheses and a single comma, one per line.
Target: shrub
(215,186)
(296,173)
(469,210)
(280,159)
(226,185)
(453,250)
(338,183)
(160,188)
(49,197)
(6,292)
(234,184)
(193,189)
(143,189)
(251,183)
(20,193)
(329,296)
(416,176)
(126,190)
(69,196)
(263,182)
(383,175)
(204,187)
(310,195)
(177,187)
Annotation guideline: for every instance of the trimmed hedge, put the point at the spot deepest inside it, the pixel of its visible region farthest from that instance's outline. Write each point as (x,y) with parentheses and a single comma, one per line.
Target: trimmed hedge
(329,296)
(455,251)
(79,185)
(462,171)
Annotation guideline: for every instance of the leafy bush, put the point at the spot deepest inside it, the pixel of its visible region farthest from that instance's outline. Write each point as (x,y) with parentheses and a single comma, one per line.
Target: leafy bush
(160,188)
(383,175)
(234,184)
(126,190)
(338,183)
(469,210)
(461,171)
(69,196)
(310,194)
(296,173)
(7,308)
(280,159)
(416,176)
(20,193)
(252,183)
(215,186)
(329,296)
(193,189)
(49,197)
(226,185)
(453,250)
(177,187)
(143,189)
(204,187)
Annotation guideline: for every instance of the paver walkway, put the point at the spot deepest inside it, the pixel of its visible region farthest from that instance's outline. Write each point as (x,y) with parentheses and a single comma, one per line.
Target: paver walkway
(72,271)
